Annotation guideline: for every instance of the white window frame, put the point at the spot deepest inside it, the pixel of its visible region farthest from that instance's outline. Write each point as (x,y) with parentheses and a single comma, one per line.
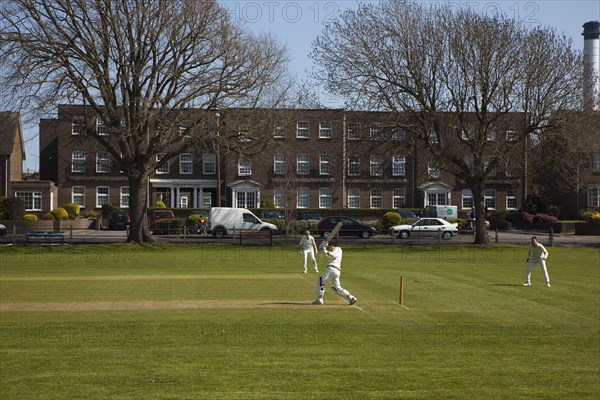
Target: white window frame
(593,196)
(186,164)
(511,200)
(124,196)
(467,202)
(433,169)
(279,197)
(376,131)
(78,195)
(280,130)
(596,163)
(163,169)
(302,129)
(325,164)
(244,167)
(398,197)
(354,165)
(32,199)
(78,161)
(302,197)
(489,199)
(398,165)
(376,165)
(101,128)
(376,198)
(353,198)
(78,125)
(209,164)
(303,164)
(105,195)
(279,164)
(353,130)
(399,134)
(103,162)
(325,198)
(325,130)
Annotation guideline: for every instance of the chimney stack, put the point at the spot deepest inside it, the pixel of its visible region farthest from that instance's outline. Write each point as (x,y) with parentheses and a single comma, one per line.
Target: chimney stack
(591,67)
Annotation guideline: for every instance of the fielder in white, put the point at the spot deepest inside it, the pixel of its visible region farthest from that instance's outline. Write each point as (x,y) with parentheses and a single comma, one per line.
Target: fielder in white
(332,273)
(536,254)
(307,248)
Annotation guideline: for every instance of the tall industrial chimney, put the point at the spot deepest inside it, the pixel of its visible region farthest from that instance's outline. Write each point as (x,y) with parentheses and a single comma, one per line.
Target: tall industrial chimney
(591,67)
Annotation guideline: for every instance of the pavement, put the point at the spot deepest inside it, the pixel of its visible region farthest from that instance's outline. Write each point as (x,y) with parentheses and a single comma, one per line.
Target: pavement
(508,237)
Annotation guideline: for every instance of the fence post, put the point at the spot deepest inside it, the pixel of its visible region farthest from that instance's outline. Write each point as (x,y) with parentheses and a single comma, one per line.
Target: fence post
(551,237)
(497,236)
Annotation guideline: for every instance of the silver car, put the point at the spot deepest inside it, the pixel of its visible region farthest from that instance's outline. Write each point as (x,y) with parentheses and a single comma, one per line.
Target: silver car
(431,227)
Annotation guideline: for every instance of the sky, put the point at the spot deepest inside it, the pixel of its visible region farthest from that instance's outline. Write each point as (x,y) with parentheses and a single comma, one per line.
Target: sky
(297,23)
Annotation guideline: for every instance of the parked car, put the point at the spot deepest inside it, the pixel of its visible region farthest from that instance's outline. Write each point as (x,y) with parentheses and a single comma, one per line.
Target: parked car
(426,227)
(308,215)
(118,220)
(405,214)
(270,214)
(2,230)
(161,215)
(350,227)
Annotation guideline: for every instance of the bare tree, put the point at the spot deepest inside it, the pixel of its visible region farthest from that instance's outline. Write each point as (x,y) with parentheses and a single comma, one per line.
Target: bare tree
(456,80)
(140,66)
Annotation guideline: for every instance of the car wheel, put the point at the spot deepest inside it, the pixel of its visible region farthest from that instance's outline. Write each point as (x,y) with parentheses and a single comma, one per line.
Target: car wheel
(219,234)
(365,235)
(447,235)
(403,234)
(324,234)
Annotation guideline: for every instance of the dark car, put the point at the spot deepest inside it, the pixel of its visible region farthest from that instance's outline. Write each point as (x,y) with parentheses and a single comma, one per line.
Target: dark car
(350,227)
(270,214)
(118,220)
(405,214)
(2,230)
(308,215)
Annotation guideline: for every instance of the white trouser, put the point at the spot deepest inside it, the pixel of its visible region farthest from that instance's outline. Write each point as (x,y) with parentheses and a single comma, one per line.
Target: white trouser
(305,254)
(332,274)
(542,264)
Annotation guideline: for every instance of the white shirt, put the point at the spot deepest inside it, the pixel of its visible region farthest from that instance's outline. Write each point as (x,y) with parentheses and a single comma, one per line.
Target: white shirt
(308,243)
(334,258)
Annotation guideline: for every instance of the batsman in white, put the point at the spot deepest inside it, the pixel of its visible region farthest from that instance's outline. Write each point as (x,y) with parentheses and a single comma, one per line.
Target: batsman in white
(332,273)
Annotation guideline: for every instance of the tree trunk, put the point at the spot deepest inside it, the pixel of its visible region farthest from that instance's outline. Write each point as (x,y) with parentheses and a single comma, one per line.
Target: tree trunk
(481,232)
(139,231)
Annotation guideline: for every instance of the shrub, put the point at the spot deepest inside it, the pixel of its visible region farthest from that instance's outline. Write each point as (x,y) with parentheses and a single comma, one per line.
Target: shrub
(167,227)
(30,217)
(60,214)
(193,219)
(73,210)
(160,204)
(48,217)
(591,215)
(107,209)
(390,219)
(12,208)
(90,214)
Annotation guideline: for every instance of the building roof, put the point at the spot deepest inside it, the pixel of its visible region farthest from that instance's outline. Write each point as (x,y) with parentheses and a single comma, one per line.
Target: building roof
(11,132)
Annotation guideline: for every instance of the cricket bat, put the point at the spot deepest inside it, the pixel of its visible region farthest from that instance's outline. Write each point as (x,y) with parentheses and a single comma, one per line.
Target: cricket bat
(334,232)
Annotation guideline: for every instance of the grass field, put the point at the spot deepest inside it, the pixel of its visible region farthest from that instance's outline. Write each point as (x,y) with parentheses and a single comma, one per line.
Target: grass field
(235,322)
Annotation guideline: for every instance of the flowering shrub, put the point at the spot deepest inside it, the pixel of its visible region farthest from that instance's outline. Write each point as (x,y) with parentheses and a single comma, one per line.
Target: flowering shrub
(30,217)
(591,215)
(595,217)
(537,218)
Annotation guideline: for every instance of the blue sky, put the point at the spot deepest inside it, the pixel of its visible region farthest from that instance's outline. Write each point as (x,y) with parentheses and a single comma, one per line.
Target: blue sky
(297,23)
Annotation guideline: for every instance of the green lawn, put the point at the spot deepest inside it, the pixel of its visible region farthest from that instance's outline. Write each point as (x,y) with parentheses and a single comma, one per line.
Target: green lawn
(235,322)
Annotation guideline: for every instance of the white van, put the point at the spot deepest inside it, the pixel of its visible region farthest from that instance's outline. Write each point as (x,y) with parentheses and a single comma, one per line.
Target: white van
(444,212)
(224,220)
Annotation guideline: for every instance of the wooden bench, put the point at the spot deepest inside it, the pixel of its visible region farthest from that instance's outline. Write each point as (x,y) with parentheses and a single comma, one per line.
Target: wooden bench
(45,237)
(263,234)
